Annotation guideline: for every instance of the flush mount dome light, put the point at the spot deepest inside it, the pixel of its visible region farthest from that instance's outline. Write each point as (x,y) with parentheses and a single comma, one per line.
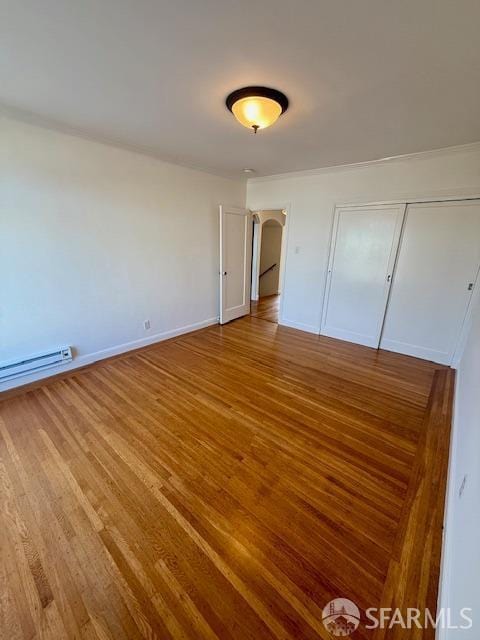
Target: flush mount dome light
(257,107)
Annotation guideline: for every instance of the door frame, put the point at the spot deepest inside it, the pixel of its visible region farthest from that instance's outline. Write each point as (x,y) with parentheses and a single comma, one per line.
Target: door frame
(408,200)
(401,208)
(257,254)
(284,250)
(462,337)
(463,196)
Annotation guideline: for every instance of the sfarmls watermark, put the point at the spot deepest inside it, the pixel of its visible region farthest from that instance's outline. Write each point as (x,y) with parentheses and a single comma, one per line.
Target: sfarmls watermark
(341,617)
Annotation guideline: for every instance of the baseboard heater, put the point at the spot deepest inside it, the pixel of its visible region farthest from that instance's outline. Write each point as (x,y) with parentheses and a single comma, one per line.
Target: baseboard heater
(16,368)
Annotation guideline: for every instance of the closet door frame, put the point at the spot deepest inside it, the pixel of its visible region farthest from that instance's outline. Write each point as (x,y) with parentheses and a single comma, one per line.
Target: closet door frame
(400,207)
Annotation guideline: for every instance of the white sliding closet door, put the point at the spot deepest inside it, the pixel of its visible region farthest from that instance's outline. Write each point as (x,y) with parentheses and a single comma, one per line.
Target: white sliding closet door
(362,258)
(436,272)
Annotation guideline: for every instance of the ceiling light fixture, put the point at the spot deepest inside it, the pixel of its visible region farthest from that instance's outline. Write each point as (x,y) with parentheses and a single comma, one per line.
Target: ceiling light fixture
(257,107)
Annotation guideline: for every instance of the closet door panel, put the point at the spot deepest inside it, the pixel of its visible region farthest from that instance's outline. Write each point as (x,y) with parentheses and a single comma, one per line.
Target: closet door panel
(437,267)
(362,256)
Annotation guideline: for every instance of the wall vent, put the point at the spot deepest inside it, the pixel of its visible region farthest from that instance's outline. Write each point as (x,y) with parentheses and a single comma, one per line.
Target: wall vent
(16,368)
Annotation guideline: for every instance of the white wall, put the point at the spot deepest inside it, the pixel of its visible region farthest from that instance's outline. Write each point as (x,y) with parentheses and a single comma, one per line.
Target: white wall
(460,585)
(310,199)
(96,239)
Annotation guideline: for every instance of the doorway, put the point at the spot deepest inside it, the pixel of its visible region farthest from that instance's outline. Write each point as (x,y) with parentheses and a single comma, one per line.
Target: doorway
(267,262)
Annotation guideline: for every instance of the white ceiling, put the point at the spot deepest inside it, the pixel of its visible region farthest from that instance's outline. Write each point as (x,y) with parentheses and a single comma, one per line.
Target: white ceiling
(366,78)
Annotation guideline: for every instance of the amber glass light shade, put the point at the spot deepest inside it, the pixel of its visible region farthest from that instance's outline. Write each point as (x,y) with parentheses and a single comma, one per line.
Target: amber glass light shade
(256,112)
(257,107)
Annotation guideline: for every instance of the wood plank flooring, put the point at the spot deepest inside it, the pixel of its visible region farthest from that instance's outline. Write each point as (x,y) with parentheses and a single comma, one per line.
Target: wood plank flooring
(266,308)
(222,485)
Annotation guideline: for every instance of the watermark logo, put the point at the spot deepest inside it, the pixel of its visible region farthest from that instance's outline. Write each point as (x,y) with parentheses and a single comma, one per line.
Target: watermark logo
(341,617)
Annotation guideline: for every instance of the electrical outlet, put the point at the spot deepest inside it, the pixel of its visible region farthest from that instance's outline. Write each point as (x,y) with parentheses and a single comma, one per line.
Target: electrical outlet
(462,486)
(146,325)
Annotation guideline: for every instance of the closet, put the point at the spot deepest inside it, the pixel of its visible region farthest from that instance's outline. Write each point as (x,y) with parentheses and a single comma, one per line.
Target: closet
(362,257)
(401,277)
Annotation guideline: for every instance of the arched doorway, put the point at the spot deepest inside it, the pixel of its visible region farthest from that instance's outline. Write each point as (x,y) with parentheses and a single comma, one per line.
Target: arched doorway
(267,263)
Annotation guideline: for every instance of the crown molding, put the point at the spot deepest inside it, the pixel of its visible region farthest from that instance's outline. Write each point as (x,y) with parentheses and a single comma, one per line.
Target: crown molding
(418,155)
(30,118)
(33,119)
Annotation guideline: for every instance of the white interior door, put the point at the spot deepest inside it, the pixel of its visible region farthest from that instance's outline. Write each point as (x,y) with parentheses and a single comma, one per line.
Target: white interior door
(362,259)
(436,272)
(235,262)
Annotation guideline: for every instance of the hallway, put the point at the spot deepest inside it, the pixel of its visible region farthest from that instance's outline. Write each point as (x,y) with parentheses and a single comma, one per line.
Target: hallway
(266,308)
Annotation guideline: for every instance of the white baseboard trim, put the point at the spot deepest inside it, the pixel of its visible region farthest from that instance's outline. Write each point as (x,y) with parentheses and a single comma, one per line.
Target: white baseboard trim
(90,358)
(417,352)
(310,328)
(350,336)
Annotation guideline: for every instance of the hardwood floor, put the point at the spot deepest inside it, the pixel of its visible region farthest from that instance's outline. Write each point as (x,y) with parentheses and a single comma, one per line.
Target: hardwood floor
(224,484)
(266,308)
